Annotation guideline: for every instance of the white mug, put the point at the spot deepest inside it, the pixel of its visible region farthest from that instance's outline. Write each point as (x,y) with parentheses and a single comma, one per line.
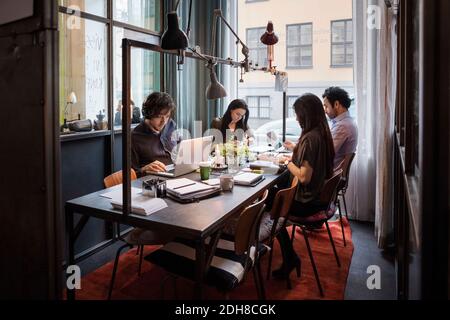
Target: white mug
(227,182)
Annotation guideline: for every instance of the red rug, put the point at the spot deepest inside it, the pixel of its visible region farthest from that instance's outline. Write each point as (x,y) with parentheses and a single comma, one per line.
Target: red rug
(130,286)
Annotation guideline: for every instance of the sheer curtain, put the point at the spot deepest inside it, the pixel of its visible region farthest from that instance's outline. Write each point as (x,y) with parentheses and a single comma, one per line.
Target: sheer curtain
(189,85)
(371,178)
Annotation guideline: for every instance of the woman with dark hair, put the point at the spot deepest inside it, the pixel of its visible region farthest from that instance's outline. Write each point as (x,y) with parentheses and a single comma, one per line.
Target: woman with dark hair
(234,122)
(312,164)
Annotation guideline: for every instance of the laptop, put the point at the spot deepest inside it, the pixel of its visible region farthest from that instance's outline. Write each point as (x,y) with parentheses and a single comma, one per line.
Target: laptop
(189,154)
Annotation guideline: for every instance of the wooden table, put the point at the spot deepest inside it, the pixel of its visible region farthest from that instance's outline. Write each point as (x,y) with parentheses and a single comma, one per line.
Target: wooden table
(197,221)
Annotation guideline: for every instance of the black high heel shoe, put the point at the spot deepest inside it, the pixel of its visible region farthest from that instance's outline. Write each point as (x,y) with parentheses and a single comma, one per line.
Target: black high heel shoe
(283,272)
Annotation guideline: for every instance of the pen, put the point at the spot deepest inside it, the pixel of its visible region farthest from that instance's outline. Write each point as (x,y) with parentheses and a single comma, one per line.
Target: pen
(187,185)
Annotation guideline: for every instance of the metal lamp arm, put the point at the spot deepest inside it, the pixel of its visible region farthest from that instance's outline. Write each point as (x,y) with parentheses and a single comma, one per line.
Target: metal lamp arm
(245,50)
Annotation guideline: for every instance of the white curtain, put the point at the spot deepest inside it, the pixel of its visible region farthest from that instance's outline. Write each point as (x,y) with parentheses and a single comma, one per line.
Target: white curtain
(371,179)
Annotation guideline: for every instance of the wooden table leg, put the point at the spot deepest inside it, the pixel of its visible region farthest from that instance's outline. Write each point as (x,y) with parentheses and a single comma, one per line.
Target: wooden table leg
(70,239)
(199,268)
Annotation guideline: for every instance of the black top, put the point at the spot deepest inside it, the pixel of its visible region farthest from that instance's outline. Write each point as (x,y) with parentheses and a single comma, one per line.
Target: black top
(217,124)
(148,146)
(312,148)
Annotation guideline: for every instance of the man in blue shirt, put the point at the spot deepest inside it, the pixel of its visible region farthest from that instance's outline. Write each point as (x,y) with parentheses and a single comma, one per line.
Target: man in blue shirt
(343,128)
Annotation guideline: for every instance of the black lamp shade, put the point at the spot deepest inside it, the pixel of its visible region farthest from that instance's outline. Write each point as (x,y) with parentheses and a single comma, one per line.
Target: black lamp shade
(173,38)
(215,90)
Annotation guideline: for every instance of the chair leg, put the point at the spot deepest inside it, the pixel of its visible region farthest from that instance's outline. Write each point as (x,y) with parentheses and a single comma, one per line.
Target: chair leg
(316,274)
(261,281)
(257,282)
(269,267)
(332,244)
(175,291)
(342,223)
(116,262)
(293,233)
(345,205)
(141,255)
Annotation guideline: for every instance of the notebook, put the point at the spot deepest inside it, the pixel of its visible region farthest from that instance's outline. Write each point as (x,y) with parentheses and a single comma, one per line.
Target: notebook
(182,187)
(247,178)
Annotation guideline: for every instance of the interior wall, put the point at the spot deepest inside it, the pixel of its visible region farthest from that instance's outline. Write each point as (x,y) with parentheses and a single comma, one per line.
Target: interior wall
(31,225)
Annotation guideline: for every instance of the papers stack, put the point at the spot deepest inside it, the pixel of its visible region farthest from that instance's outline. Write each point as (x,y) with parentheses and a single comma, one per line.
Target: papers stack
(140,204)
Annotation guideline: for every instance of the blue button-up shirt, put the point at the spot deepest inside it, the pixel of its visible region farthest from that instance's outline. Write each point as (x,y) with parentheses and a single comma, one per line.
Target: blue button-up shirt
(345,136)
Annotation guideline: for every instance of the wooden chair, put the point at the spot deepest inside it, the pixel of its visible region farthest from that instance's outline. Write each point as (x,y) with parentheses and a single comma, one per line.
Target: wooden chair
(342,188)
(137,237)
(328,196)
(233,259)
(278,214)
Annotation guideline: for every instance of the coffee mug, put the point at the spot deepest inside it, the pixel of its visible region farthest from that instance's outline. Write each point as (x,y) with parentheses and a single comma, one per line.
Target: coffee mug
(227,182)
(205,170)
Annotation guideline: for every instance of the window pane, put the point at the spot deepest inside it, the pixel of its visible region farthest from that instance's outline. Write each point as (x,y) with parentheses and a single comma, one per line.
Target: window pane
(252,102)
(338,31)
(338,54)
(349,57)
(97,7)
(349,31)
(293,57)
(144,14)
(306,36)
(293,35)
(83,69)
(145,73)
(264,102)
(306,56)
(252,40)
(262,57)
(264,113)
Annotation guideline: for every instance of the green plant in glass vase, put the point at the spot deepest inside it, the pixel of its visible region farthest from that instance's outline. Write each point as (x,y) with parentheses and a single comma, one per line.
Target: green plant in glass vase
(235,153)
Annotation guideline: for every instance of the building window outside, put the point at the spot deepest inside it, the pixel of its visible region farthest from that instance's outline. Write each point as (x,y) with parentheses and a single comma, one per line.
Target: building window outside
(258,50)
(342,43)
(290,104)
(84,56)
(259,107)
(299,46)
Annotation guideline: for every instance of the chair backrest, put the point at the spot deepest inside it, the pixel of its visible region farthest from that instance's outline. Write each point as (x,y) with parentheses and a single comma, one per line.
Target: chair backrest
(283,200)
(248,226)
(117,178)
(329,190)
(345,166)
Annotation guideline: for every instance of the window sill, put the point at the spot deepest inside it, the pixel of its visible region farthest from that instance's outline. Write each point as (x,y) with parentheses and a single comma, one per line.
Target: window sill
(344,66)
(299,68)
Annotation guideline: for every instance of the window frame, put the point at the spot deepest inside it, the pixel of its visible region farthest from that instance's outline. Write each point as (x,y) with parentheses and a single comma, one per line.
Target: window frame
(300,45)
(345,43)
(259,42)
(259,106)
(110,24)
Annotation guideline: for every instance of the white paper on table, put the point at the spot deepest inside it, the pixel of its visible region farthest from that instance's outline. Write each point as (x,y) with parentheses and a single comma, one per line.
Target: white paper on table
(115,194)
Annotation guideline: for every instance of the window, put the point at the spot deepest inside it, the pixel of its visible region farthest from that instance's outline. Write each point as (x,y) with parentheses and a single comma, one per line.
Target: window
(145,72)
(290,105)
(299,45)
(88,59)
(259,107)
(83,69)
(143,14)
(96,7)
(258,50)
(342,43)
